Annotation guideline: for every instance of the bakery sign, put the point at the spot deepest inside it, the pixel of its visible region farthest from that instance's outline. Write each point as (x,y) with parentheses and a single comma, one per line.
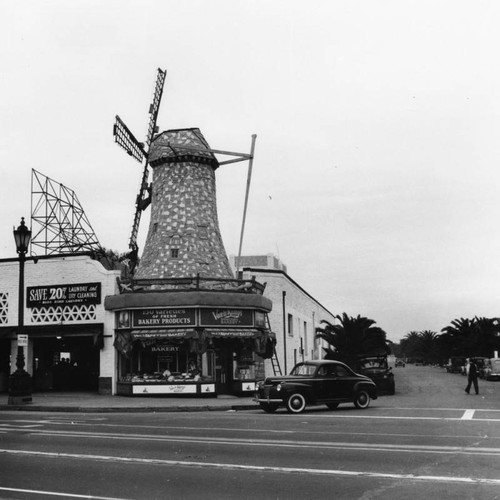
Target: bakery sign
(63,295)
(161,318)
(226,317)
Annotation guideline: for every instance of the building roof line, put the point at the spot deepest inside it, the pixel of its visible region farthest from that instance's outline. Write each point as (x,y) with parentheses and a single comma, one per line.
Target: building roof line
(279,271)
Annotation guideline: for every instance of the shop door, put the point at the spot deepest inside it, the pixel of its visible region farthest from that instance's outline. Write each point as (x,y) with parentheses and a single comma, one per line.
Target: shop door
(66,364)
(223,369)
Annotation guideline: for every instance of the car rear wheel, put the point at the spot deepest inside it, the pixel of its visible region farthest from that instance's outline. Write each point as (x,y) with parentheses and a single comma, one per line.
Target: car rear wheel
(296,403)
(362,399)
(269,407)
(332,406)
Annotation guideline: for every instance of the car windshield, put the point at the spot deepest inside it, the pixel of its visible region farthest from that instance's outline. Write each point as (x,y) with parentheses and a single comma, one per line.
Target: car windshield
(303,369)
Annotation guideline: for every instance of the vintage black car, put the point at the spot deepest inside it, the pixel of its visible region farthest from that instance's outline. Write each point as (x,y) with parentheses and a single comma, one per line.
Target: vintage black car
(315,383)
(378,370)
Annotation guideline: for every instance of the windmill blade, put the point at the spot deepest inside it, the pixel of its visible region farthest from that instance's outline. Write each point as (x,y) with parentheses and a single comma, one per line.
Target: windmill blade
(155,105)
(125,139)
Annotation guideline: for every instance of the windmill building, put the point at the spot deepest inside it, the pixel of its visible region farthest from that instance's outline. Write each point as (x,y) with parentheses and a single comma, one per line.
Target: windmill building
(184,324)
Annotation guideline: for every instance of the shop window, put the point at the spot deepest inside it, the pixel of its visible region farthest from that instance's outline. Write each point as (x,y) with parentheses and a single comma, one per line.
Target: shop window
(244,365)
(260,319)
(123,319)
(159,362)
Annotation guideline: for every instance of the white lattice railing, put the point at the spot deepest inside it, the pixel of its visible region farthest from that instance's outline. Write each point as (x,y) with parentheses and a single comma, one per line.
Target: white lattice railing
(4,307)
(63,313)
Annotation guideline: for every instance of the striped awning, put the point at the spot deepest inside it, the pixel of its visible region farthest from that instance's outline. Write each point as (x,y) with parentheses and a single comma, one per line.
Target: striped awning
(164,333)
(234,333)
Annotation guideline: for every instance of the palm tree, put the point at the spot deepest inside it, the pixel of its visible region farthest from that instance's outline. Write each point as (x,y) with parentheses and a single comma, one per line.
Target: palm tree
(460,337)
(487,336)
(353,337)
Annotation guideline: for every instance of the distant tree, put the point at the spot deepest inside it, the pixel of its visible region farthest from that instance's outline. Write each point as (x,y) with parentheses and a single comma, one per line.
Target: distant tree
(395,348)
(351,338)
(428,348)
(409,344)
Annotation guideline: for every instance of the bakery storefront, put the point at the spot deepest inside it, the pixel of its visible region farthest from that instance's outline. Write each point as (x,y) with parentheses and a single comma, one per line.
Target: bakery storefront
(191,350)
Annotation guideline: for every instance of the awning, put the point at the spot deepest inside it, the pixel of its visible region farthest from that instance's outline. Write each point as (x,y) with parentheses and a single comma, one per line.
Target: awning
(234,333)
(159,333)
(78,330)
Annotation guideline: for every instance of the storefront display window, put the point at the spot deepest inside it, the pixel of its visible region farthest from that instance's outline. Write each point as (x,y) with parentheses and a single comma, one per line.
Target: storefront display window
(155,361)
(244,365)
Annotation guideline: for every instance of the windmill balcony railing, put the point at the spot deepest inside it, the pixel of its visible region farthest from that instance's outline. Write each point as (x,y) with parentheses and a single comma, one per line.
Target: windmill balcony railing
(195,283)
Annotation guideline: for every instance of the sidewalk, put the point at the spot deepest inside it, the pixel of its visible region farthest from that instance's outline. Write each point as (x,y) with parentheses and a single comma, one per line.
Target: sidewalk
(88,402)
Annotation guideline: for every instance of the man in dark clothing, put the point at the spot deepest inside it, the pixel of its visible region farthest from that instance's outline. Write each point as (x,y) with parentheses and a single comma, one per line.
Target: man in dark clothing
(472,377)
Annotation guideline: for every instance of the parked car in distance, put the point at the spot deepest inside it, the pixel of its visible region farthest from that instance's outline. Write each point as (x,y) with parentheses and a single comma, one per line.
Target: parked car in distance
(399,362)
(314,383)
(455,364)
(491,369)
(378,370)
(480,362)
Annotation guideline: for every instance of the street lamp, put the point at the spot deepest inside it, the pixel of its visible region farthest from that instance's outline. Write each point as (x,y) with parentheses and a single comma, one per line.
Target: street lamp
(20,385)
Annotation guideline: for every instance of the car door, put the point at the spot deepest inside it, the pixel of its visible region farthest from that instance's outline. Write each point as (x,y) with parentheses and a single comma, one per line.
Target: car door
(324,382)
(344,382)
(330,385)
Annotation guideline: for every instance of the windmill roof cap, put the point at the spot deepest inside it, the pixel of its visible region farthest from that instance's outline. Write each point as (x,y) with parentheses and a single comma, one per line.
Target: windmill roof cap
(176,145)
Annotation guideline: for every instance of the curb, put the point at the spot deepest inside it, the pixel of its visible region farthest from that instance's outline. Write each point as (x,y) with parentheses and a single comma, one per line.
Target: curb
(144,409)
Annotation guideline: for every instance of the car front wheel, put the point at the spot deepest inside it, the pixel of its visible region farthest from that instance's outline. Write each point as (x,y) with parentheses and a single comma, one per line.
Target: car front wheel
(362,399)
(269,407)
(296,403)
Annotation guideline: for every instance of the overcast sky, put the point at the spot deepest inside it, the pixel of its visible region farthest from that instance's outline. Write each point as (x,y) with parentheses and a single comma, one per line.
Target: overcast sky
(376,176)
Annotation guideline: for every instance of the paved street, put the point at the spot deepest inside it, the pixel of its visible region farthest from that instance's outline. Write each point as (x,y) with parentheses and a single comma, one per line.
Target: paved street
(430,440)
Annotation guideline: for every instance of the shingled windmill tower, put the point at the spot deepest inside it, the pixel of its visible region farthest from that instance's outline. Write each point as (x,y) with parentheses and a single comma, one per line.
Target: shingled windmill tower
(183,237)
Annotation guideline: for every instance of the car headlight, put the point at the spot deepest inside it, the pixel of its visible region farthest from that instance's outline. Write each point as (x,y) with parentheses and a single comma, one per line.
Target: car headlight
(278,387)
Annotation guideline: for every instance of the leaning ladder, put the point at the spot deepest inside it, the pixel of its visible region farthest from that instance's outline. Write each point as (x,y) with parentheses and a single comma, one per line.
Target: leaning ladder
(274,358)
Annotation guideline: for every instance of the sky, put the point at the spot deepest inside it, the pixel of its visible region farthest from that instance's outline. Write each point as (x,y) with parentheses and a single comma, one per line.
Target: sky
(376,175)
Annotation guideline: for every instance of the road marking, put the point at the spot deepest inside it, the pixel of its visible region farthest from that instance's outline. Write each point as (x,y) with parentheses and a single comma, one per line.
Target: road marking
(20,426)
(265,431)
(344,446)
(57,494)
(468,415)
(259,468)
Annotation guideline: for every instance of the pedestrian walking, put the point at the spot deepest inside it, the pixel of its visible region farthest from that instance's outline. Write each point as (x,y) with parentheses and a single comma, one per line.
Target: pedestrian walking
(472,377)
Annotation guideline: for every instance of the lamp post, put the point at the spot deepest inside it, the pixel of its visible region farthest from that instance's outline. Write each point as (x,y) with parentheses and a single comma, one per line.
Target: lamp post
(20,384)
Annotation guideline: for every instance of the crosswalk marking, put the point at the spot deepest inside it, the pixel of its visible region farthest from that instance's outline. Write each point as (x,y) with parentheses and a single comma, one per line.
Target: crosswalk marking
(468,414)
